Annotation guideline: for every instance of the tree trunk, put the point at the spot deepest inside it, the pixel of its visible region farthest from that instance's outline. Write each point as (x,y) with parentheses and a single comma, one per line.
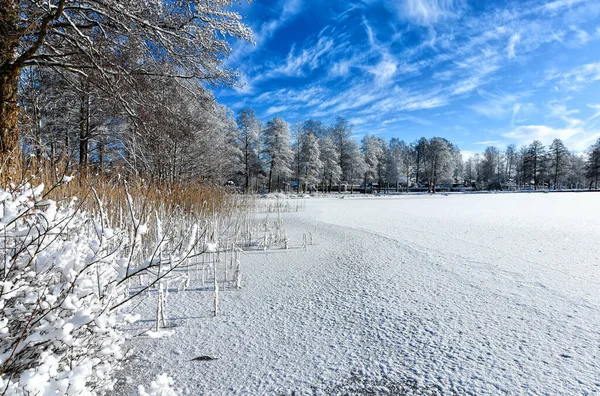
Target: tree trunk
(9,122)
(10,153)
(84,129)
(247,168)
(271,173)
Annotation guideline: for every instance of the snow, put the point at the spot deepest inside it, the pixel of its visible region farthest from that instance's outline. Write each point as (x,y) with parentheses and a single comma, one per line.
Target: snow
(467,294)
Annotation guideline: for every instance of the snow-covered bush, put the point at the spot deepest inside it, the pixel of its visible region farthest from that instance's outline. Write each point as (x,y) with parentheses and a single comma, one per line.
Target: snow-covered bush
(60,275)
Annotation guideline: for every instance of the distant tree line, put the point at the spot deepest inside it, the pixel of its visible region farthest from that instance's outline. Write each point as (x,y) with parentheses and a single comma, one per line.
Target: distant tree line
(313,156)
(178,132)
(534,166)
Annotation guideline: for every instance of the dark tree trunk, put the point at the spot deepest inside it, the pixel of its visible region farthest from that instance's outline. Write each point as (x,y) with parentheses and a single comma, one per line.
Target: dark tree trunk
(10,155)
(271,173)
(9,121)
(246,163)
(84,129)
(101,156)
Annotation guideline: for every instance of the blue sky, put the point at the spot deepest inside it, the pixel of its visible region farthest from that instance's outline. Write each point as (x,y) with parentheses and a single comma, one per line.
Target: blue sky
(476,72)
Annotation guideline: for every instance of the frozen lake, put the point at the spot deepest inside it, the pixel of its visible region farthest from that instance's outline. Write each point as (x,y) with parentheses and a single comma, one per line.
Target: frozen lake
(464,294)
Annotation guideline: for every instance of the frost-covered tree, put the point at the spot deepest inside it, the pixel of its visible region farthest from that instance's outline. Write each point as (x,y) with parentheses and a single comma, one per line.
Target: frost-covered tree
(559,161)
(491,167)
(470,171)
(331,170)
(394,161)
(510,155)
(249,132)
(356,168)
(315,127)
(374,153)
(310,160)
(534,163)
(457,164)
(402,154)
(214,154)
(117,41)
(277,149)
(340,133)
(439,162)
(420,148)
(593,165)
(577,170)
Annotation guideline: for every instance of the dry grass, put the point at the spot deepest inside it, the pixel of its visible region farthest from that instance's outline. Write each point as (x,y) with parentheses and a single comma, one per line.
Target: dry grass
(178,206)
(191,198)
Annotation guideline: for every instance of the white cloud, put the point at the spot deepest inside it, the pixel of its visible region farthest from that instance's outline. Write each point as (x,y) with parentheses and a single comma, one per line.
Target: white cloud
(510,49)
(557,5)
(266,30)
(516,108)
(490,143)
(406,117)
(340,68)
(466,86)
(561,111)
(443,75)
(424,104)
(290,9)
(491,110)
(597,108)
(578,77)
(428,12)
(308,57)
(545,134)
(275,109)
(582,37)
(384,71)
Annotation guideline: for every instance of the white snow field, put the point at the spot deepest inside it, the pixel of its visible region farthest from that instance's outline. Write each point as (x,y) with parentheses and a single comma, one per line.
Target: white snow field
(459,294)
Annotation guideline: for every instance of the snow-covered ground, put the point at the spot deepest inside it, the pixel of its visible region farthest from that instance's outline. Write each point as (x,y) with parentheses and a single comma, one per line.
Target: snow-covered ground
(464,294)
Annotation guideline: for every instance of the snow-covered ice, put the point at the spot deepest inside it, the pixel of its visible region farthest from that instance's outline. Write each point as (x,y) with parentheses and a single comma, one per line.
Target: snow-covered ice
(464,294)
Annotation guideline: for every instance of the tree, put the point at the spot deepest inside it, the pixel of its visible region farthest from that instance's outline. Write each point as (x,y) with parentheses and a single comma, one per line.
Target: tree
(470,172)
(373,151)
(593,164)
(407,155)
(491,166)
(439,162)
(534,163)
(356,167)
(577,170)
(340,133)
(521,167)
(118,41)
(457,163)
(329,158)
(510,155)
(419,148)
(310,161)
(394,161)
(559,161)
(315,127)
(277,149)
(249,132)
